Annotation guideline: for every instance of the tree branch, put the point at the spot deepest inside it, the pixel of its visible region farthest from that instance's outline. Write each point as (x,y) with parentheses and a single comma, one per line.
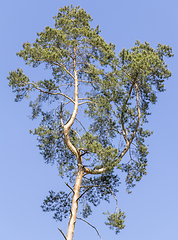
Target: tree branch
(138,120)
(51,93)
(88,187)
(83,103)
(57,64)
(69,187)
(123,108)
(62,233)
(94,171)
(91,226)
(81,124)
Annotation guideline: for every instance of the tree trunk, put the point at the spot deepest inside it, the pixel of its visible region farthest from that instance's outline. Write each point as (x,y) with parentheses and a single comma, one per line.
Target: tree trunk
(74,207)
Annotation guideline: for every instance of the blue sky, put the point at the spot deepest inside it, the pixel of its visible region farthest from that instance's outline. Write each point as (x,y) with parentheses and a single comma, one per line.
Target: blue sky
(25,180)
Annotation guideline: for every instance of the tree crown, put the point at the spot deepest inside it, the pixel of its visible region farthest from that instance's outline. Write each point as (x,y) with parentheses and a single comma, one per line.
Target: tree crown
(114,92)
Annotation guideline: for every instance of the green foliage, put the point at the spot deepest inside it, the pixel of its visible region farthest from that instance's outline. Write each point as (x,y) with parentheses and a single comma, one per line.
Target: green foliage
(116,220)
(86,211)
(60,203)
(115,93)
(99,188)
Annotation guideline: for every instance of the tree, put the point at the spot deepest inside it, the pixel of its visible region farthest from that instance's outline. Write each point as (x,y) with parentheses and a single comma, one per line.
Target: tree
(114,92)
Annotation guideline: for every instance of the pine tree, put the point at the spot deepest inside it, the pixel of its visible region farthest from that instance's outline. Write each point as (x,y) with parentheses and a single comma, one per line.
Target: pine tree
(113,92)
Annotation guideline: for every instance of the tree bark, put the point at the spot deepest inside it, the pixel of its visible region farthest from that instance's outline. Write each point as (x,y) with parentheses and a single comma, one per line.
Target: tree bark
(74,207)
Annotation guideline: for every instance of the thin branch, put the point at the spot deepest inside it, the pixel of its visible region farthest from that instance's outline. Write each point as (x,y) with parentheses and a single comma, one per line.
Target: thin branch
(86,81)
(57,64)
(114,198)
(65,69)
(70,187)
(62,233)
(84,193)
(68,102)
(113,129)
(84,99)
(51,93)
(81,124)
(94,171)
(75,132)
(61,111)
(83,153)
(125,72)
(123,108)
(88,187)
(67,84)
(83,103)
(82,149)
(138,120)
(91,226)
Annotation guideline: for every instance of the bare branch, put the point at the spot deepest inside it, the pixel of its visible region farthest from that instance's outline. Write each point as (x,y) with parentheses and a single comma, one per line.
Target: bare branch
(69,123)
(84,99)
(94,171)
(83,103)
(81,124)
(67,103)
(62,233)
(91,226)
(114,198)
(83,193)
(69,187)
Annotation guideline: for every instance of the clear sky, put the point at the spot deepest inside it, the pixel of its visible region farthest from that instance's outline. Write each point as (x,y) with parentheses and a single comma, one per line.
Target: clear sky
(25,180)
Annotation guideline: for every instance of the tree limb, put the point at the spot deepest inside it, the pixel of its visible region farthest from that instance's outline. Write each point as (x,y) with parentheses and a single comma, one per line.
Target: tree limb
(91,226)
(83,102)
(51,93)
(69,187)
(62,233)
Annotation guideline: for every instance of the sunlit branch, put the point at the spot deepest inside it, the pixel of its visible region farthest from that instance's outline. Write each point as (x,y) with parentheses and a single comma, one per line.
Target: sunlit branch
(69,123)
(83,103)
(94,171)
(65,69)
(75,132)
(84,99)
(67,103)
(61,111)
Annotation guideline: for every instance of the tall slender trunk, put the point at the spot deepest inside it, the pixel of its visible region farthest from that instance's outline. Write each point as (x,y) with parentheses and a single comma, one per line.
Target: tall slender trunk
(78,181)
(74,207)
